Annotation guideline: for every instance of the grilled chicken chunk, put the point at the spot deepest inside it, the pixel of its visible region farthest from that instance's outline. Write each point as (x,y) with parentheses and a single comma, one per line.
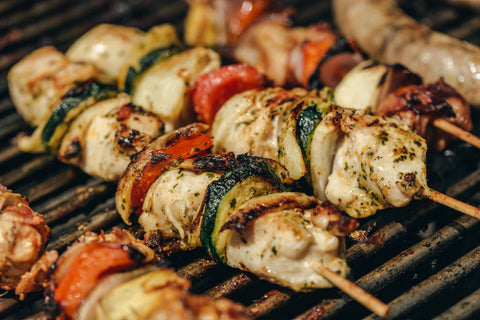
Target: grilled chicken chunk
(394,90)
(172,204)
(38,82)
(102,139)
(23,236)
(107,47)
(250,122)
(115,48)
(290,231)
(378,163)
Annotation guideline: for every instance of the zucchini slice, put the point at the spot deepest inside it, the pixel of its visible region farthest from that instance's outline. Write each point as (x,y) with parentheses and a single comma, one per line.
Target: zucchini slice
(74,103)
(151,58)
(297,131)
(243,182)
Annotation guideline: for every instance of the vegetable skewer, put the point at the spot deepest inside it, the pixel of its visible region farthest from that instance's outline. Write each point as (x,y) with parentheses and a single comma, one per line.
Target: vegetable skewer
(240,210)
(240,196)
(111,276)
(311,57)
(158,159)
(360,162)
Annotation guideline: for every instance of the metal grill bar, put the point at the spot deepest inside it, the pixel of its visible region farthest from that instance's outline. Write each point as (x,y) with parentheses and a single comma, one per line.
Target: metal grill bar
(443,282)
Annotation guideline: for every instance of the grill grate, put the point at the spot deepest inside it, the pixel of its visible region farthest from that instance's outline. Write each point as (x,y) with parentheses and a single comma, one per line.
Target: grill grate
(417,257)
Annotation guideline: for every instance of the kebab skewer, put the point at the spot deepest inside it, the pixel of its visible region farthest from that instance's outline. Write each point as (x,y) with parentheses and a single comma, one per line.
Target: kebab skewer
(319,57)
(320,190)
(245,218)
(316,56)
(111,276)
(154,68)
(80,122)
(360,162)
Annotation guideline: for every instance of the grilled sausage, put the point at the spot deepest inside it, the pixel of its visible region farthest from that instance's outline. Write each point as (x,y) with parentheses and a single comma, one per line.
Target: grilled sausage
(387,34)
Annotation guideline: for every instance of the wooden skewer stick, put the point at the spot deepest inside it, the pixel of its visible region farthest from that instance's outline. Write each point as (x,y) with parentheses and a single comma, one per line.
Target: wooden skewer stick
(453,203)
(366,299)
(457,132)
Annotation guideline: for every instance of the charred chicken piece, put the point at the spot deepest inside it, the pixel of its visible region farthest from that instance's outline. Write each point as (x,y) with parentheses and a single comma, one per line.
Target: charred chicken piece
(419,105)
(276,236)
(23,234)
(88,123)
(102,139)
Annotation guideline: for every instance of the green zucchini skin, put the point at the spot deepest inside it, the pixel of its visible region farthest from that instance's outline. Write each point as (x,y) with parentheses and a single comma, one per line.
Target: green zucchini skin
(73,103)
(309,118)
(151,58)
(217,191)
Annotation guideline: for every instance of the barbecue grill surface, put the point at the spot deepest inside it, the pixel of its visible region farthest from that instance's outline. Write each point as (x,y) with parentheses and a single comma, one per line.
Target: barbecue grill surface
(423,259)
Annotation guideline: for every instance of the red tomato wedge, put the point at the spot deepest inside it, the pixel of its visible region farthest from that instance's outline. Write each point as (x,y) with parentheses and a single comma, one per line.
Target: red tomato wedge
(211,90)
(95,260)
(183,147)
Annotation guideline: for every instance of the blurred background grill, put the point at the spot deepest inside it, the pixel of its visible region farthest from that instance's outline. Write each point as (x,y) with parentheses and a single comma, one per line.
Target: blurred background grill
(423,259)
